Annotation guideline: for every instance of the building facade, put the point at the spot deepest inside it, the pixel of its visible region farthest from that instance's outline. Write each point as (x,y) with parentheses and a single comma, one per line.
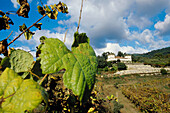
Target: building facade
(126,59)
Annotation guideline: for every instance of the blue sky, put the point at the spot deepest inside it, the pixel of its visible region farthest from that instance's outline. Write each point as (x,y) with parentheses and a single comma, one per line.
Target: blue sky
(131,26)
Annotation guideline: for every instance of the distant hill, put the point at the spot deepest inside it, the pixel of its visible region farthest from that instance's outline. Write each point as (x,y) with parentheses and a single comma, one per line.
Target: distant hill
(163,51)
(157,58)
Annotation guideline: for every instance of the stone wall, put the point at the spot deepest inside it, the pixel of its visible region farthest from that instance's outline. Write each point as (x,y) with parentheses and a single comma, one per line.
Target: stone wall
(140,69)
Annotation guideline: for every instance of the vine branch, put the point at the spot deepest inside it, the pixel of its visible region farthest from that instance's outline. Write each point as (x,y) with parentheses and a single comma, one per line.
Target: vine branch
(9,35)
(42,79)
(41,3)
(27,29)
(35,75)
(80,15)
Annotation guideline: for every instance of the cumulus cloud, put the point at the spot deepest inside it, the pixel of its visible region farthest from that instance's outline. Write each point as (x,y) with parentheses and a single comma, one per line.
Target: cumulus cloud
(159,44)
(138,21)
(101,20)
(115,47)
(145,37)
(38,33)
(148,40)
(143,10)
(109,21)
(106,21)
(163,28)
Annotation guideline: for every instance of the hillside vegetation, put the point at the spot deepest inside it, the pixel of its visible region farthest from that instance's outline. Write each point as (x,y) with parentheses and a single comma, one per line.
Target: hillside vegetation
(156,58)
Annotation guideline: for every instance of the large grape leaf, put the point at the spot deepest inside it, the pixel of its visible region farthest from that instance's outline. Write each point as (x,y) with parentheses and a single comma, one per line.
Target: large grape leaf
(21,61)
(18,95)
(80,63)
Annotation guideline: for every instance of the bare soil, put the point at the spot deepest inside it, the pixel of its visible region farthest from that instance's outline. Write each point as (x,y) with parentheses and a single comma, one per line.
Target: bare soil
(108,89)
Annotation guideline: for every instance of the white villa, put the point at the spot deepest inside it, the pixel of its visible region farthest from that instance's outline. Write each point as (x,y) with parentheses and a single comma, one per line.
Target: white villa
(125,59)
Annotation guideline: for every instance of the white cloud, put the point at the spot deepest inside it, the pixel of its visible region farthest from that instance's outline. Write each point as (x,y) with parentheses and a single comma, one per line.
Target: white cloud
(143,10)
(148,40)
(163,28)
(159,44)
(108,20)
(38,33)
(16,4)
(115,47)
(138,21)
(145,37)
(101,20)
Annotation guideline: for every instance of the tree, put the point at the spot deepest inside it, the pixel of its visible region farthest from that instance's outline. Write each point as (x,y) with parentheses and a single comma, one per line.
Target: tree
(135,58)
(120,54)
(121,66)
(105,55)
(102,63)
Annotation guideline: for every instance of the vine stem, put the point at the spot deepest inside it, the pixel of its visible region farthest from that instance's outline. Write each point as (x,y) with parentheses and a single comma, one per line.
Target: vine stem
(80,16)
(27,29)
(42,79)
(35,75)
(9,35)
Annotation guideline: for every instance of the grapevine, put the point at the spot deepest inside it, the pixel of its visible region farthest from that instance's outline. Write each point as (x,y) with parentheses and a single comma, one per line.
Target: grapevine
(147,97)
(22,74)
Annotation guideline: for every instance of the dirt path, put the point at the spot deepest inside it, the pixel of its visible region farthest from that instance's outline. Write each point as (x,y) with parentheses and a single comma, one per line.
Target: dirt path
(128,106)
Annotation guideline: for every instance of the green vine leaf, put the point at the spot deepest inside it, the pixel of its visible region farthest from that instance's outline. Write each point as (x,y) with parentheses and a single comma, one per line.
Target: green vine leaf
(61,7)
(21,61)
(80,63)
(28,34)
(22,28)
(24,8)
(5,21)
(53,12)
(3,47)
(42,38)
(19,95)
(49,12)
(38,25)
(41,10)
(38,52)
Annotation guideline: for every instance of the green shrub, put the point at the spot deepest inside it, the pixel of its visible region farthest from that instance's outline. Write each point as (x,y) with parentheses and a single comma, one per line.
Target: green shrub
(100,69)
(121,66)
(114,68)
(163,72)
(109,64)
(106,69)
